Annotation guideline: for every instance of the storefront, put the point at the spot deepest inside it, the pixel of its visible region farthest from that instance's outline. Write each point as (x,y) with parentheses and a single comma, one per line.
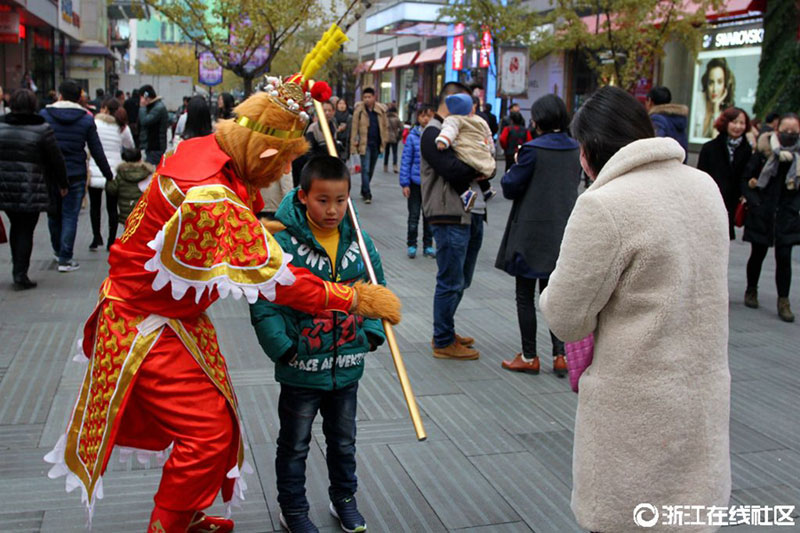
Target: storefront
(27,37)
(407,83)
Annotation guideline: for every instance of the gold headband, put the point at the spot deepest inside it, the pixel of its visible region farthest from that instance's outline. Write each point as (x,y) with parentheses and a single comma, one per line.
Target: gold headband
(272,132)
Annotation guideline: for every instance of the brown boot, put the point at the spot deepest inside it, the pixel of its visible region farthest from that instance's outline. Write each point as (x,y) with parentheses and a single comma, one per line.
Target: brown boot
(751,298)
(518,365)
(463,341)
(560,366)
(784,310)
(456,351)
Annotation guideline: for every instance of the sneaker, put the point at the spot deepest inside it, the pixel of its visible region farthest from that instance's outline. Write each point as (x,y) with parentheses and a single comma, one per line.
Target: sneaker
(96,243)
(488,195)
(69,266)
(202,522)
(412,252)
(429,251)
(456,351)
(518,365)
(368,200)
(468,198)
(298,523)
(346,511)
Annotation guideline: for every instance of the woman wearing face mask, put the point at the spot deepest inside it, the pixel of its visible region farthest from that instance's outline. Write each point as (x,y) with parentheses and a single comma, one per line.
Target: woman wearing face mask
(725,158)
(773,216)
(644,265)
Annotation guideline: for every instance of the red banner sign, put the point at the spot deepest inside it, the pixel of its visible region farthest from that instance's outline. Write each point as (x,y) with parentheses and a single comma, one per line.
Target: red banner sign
(486,50)
(458,52)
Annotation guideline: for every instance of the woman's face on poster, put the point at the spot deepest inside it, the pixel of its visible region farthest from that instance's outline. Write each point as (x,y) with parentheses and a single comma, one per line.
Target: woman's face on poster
(716,84)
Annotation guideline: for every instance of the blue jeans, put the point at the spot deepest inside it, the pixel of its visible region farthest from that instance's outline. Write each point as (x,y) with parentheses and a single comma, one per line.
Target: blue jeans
(297,407)
(368,162)
(414,210)
(457,248)
(64,226)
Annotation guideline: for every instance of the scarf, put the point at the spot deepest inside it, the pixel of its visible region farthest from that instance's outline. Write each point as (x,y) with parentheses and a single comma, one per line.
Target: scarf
(733,144)
(341,117)
(781,154)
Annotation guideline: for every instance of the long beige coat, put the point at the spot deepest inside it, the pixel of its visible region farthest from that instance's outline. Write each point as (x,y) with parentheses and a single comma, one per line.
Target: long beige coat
(644,265)
(360,128)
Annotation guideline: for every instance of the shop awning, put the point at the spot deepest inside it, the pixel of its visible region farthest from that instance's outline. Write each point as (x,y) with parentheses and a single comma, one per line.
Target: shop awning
(363,67)
(92,48)
(402,60)
(730,9)
(431,54)
(380,64)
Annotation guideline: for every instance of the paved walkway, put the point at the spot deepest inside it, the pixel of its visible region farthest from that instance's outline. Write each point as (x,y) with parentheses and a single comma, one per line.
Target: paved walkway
(498,457)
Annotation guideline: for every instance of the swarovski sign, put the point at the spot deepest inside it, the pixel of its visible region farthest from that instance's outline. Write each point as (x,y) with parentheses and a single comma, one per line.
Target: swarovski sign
(734,37)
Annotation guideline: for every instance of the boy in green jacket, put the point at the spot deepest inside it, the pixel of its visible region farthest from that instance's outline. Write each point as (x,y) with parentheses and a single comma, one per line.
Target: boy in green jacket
(318,359)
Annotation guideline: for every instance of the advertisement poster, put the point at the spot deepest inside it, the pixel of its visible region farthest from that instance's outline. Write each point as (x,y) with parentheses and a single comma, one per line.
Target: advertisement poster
(210,71)
(513,72)
(725,75)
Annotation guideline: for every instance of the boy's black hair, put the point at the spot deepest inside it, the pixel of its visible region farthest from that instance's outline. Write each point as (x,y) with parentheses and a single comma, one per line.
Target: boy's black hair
(368,90)
(323,167)
(771,116)
(425,108)
(131,155)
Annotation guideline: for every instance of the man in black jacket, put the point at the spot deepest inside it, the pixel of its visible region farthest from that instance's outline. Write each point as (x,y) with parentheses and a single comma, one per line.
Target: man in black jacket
(458,234)
(153,124)
(75,129)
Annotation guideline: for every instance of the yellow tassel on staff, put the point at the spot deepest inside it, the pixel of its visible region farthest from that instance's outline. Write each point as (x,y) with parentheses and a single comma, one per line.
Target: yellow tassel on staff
(399,365)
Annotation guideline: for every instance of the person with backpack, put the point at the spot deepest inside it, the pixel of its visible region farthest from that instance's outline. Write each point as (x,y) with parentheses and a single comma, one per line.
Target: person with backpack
(513,136)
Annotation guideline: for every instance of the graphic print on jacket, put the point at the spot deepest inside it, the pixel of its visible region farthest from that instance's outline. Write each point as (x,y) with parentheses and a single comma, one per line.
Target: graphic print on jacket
(324,351)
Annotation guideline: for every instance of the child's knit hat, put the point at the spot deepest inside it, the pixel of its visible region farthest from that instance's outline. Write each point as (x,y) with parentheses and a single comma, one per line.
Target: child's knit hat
(459,104)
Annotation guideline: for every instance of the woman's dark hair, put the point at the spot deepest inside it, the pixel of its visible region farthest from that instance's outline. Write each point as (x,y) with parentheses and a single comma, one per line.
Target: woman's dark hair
(516,118)
(23,101)
(608,121)
(728,116)
(227,106)
(550,114)
(198,118)
(131,155)
(116,111)
(730,81)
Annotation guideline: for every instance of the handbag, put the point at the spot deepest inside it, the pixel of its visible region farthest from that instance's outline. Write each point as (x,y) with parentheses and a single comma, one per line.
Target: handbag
(97,182)
(579,357)
(3,237)
(354,165)
(740,214)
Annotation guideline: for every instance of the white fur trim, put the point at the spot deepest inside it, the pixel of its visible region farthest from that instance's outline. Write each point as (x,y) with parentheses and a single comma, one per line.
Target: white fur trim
(56,457)
(224,285)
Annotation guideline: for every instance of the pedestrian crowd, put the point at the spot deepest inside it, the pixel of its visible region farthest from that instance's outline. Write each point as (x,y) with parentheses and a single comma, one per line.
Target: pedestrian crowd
(626,264)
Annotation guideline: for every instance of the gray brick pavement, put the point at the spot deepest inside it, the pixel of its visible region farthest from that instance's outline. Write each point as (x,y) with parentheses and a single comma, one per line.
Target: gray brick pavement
(498,457)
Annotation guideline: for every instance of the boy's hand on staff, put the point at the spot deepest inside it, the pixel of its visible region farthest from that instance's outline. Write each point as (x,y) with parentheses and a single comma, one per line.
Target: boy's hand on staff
(406,191)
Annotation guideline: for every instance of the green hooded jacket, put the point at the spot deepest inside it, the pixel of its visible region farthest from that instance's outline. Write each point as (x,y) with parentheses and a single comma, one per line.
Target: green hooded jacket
(324,351)
(125,186)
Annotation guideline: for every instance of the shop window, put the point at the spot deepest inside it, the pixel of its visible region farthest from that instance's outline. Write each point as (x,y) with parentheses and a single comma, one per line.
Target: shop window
(386,86)
(407,99)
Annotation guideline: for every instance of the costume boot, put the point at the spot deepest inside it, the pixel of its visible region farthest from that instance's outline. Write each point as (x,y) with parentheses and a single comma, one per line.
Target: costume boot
(784,310)
(166,521)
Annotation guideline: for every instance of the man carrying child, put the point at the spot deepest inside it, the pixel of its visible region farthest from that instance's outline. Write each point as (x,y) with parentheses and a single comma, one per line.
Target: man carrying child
(318,358)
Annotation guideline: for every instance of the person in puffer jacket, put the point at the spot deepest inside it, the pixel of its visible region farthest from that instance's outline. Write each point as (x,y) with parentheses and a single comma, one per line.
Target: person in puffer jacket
(319,358)
(75,129)
(410,183)
(128,185)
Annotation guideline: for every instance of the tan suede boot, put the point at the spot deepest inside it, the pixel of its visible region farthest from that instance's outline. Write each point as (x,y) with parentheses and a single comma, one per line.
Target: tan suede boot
(784,310)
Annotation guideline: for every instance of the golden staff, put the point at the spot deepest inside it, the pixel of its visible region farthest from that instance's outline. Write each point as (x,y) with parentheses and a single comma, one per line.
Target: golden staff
(399,365)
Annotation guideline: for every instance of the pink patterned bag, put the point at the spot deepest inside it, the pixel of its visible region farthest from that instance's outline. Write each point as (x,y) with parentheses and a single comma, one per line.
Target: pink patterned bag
(579,357)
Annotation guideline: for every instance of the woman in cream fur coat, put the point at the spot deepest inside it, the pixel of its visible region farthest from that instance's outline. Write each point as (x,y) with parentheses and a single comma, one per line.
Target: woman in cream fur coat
(644,265)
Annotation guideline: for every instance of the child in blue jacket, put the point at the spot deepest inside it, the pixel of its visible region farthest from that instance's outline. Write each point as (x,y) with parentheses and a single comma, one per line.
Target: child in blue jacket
(410,182)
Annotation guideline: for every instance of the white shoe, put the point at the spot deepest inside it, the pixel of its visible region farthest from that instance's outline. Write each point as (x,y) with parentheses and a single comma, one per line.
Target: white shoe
(70,266)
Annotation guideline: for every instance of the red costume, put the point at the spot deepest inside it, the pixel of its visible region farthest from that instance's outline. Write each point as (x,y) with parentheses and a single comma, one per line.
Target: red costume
(155,373)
